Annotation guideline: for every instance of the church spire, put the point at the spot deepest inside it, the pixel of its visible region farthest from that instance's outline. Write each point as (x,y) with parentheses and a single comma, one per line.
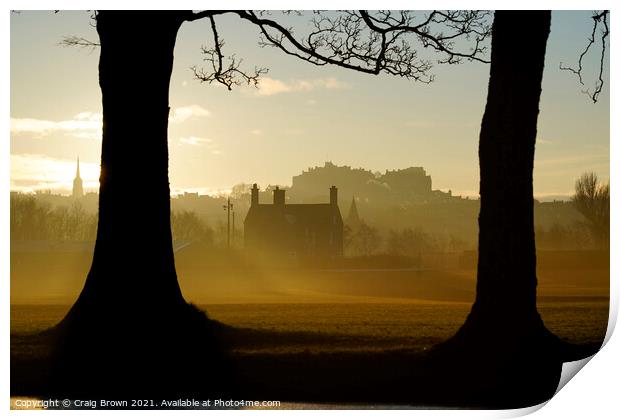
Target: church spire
(78,190)
(353,219)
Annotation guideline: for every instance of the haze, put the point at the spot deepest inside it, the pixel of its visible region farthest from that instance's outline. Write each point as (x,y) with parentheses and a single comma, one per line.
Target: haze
(220,138)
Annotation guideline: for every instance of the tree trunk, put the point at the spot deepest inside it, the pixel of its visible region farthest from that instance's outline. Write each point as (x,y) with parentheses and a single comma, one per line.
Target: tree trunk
(133,258)
(130,332)
(506,287)
(503,350)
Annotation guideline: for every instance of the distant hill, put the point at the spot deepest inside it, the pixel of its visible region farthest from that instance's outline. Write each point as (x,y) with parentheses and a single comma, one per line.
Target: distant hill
(398,187)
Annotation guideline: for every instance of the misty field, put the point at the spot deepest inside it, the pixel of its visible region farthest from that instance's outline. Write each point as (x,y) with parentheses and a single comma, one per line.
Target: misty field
(278,311)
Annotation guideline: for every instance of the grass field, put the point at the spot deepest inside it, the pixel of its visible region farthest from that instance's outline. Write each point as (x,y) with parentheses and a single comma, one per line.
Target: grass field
(353,327)
(348,333)
(325,353)
(398,307)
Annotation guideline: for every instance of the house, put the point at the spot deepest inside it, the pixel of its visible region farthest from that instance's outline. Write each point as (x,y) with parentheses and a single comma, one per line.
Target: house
(295,230)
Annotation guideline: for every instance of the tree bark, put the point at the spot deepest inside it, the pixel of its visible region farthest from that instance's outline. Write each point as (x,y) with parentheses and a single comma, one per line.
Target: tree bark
(503,354)
(133,256)
(506,279)
(131,332)
(132,272)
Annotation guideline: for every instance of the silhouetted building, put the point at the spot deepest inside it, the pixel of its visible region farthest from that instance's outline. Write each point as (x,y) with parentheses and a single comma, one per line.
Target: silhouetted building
(294,229)
(78,190)
(408,181)
(409,185)
(353,219)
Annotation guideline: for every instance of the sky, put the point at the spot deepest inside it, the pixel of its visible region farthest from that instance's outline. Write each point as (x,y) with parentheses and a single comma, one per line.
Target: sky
(300,117)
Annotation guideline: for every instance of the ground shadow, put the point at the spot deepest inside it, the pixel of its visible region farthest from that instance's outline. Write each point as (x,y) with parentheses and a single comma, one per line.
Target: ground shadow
(246,367)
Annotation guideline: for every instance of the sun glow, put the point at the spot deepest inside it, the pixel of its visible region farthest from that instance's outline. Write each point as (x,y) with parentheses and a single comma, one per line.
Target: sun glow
(31,173)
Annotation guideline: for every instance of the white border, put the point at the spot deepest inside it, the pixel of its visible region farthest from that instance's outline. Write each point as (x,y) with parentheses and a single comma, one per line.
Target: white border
(592,394)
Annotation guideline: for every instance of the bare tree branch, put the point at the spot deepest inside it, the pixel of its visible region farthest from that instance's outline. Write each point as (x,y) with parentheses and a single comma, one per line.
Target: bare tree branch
(230,76)
(192,16)
(598,18)
(76,41)
(368,42)
(375,43)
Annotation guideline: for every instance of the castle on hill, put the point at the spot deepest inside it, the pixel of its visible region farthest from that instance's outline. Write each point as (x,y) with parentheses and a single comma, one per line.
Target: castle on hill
(401,186)
(300,223)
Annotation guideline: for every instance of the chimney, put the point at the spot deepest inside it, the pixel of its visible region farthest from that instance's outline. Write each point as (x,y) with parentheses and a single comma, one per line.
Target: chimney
(278,197)
(254,195)
(333,196)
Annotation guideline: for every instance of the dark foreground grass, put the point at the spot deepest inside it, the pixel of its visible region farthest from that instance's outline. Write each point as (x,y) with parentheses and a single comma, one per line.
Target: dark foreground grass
(324,353)
(392,377)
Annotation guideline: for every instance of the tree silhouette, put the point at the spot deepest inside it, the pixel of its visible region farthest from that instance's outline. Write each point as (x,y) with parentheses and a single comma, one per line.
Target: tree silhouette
(364,240)
(186,225)
(592,200)
(28,218)
(131,298)
(34,219)
(410,242)
(504,327)
(131,320)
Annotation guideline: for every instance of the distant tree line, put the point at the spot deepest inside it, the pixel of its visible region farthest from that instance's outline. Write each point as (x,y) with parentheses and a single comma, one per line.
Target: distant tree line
(559,236)
(33,219)
(591,200)
(412,242)
(186,225)
(365,240)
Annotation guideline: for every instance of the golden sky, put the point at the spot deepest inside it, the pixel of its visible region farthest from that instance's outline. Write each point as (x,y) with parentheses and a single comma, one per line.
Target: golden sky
(300,116)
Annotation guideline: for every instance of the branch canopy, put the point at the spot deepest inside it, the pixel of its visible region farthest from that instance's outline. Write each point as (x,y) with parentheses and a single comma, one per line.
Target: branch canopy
(368,42)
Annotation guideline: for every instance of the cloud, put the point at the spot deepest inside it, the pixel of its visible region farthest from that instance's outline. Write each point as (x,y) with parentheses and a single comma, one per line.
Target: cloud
(83,125)
(570,166)
(256,132)
(87,124)
(32,172)
(184,113)
(201,141)
(269,87)
(194,141)
(89,116)
(573,160)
